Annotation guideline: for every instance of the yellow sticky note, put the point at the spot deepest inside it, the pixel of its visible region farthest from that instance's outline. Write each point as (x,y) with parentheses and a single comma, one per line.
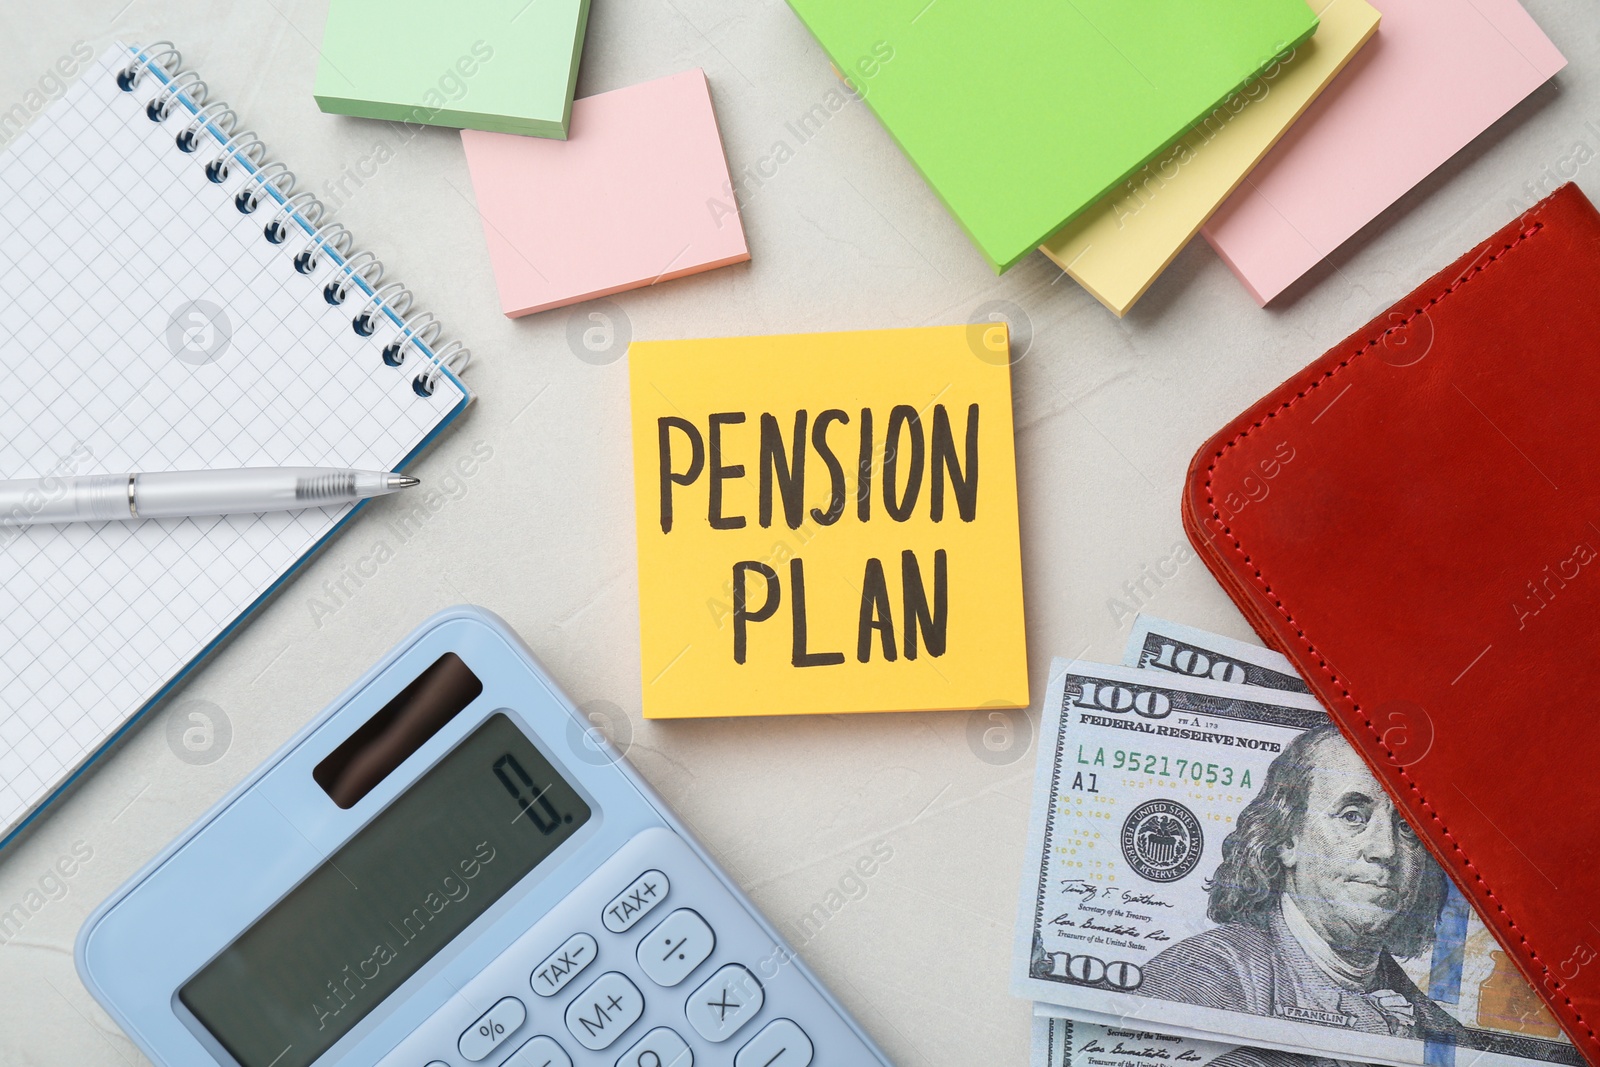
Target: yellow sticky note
(1119,246)
(828,523)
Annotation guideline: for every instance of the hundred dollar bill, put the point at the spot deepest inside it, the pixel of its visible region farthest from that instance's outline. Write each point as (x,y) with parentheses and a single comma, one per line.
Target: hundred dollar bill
(1064,1042)
(1213,860)
(1179,649)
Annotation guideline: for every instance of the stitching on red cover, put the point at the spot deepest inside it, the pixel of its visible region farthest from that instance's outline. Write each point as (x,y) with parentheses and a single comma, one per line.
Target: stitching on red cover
(1551,980)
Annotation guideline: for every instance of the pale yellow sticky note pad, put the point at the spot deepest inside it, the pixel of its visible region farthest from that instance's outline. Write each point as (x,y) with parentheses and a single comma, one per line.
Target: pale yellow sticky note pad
(827,523)
(1119,246)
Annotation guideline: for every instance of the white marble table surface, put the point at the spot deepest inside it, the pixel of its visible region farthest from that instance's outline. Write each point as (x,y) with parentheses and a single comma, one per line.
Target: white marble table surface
(843,235)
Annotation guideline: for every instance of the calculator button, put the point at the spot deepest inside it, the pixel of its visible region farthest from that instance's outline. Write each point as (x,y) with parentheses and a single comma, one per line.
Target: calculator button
(726,1002)
(635,902)
(675,948)
(661,1047)
(541,1052)
(600,1013)
(492,1027)
(779,1044)
(563,965)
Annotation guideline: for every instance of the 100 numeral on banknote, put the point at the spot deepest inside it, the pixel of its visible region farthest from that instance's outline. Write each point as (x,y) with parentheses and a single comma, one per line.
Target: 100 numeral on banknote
(1215,859)
(1115,750)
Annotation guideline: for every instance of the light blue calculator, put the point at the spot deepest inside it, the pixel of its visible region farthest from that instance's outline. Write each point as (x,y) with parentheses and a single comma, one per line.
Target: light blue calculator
(445,869)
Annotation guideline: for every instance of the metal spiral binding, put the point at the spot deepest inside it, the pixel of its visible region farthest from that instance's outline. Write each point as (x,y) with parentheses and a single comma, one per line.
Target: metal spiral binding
(333,236)
(363,265)
(271,180)
(249,147)
(272,175)
(425,327)
(277,231)
(159,108)
(189,138)
(455,356)
(365,322)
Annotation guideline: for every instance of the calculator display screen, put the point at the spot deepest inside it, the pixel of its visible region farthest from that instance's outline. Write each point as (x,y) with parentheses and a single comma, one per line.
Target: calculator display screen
(385,902)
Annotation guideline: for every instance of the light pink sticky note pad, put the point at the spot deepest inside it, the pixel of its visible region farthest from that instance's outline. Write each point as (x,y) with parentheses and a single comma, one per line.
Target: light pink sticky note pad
(637,194)
(1437,74)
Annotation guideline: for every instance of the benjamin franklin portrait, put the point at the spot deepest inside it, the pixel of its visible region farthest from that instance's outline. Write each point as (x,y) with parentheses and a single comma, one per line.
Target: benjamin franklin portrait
(1322,886)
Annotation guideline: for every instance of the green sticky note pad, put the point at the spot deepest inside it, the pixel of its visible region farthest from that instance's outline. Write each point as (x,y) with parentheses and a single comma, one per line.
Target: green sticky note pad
(503,65)
(1020,115)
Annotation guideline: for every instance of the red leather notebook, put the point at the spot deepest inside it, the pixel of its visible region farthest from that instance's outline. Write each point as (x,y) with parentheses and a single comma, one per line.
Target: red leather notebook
(1414,520)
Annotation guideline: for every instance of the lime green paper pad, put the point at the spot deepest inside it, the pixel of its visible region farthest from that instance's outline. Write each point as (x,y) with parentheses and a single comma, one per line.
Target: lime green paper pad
(503,65)
(1021,114)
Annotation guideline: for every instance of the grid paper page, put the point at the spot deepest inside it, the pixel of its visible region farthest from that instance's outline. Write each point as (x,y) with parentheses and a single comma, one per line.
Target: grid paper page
(107,232)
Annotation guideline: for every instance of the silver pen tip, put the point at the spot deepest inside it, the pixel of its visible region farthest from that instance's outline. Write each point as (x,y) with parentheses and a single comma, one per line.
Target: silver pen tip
(402,481)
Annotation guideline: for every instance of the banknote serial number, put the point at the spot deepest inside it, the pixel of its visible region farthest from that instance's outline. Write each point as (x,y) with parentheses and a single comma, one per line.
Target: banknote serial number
(1160,766)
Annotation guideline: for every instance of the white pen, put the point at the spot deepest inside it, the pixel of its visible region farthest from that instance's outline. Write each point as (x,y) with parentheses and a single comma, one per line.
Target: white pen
(181,494)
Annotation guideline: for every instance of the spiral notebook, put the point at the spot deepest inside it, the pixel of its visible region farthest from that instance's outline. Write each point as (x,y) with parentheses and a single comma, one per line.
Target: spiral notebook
(169,301)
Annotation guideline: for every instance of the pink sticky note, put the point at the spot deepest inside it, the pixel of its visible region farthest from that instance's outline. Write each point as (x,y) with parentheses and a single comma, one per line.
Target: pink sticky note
(638,194)
(1437,74)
